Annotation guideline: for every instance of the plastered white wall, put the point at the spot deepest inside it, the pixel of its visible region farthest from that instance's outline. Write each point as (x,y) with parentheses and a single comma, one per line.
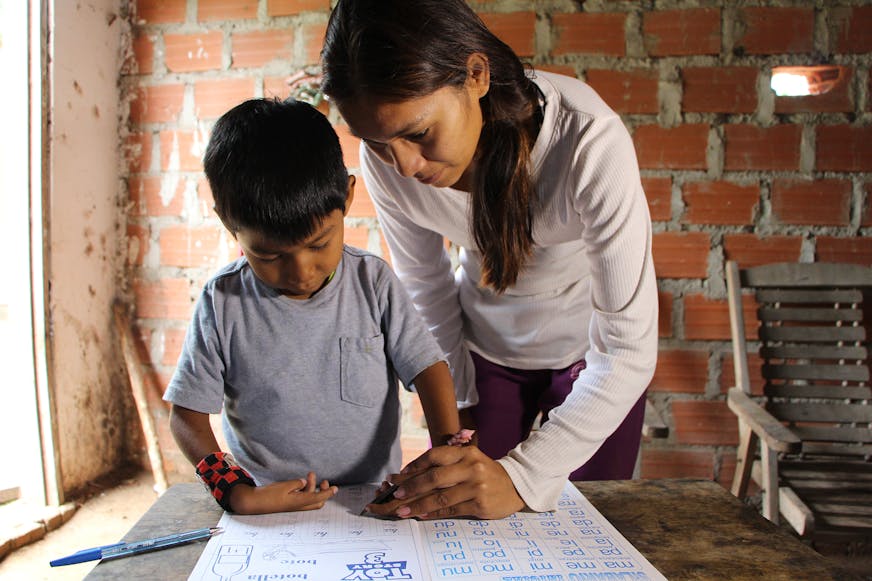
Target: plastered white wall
(83,265)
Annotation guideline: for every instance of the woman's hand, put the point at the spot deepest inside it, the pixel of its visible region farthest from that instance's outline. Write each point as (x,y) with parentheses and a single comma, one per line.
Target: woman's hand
(289,495)
(451,481)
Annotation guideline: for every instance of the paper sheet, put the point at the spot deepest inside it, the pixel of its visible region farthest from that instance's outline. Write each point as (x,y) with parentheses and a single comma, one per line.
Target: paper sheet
(573,543)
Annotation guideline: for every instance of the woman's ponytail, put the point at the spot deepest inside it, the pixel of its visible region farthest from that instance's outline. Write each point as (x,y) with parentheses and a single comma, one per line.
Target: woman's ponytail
(503,201)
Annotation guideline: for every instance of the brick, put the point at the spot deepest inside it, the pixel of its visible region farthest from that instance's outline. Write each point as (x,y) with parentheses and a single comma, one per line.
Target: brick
(291,7)
(755,373)
(680,371)
(313,42)
(626,91)
(589,33)
(751,250)
(720,89)
(705,318)
(167,298)
(757,148)
(658,192)
(213,98)
(726,471)
(193,52)
(362,205)
(357,236)
(866,216)
(192,247)
(156,195)
(137,244)
(156,104)
(141,61)
(681,255)
(226,9)
(682,32)
(682,147)
(719,202)
(836,100)
(850,250)
(852,29)
(844,148)
(256,49)
(709,319)
(516,29)
(136,152)
(776,30)
(705,423)
(350,146)
(675,463)
(664,314)
(181,151)
(568,70)
(160,11)
(173,340)
(818,202)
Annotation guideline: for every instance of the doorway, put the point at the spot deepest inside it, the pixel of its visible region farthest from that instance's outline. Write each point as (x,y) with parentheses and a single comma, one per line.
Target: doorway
(19,418)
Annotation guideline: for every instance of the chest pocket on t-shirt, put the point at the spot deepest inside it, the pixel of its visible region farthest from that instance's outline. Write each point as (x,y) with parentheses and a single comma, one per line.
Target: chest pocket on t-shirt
(362,370)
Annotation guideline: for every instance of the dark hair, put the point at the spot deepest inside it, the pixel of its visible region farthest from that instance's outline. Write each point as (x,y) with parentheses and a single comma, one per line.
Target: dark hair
(401,49)
(275,167)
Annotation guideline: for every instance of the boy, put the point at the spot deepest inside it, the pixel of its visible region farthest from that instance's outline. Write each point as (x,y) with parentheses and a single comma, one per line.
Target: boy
(301,339)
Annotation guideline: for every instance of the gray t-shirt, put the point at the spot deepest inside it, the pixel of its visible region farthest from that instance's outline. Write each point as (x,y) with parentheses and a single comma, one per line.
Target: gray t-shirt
(306,384)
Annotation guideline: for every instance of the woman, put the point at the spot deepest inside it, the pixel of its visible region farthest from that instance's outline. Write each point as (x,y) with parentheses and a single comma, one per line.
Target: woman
(554,306)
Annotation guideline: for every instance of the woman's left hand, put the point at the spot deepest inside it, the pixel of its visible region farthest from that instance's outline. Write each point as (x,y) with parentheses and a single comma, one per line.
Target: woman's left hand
(452,481)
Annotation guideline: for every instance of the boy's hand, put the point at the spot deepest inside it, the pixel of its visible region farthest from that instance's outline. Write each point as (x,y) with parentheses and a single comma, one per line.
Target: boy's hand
(286,496)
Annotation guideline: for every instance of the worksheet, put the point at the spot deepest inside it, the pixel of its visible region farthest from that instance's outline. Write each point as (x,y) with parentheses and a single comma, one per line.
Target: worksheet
(573,543)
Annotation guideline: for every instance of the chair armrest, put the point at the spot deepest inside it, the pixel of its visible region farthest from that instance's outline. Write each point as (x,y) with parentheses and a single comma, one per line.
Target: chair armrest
(776,435)
(653,425)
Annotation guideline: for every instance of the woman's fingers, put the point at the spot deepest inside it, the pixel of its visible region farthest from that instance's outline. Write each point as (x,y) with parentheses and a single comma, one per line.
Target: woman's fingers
(438,456)
(450,482)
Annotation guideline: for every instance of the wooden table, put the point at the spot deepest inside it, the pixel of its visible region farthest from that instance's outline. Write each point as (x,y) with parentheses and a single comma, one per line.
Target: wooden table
(688,529)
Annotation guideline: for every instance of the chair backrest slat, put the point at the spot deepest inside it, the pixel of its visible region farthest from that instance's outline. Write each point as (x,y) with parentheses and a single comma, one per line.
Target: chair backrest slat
(833,434)
(782,295)
(816,372)
(804,275)
(815,352)
(809,314)
(813,334)
(818,391)
(821,412)
(837,449)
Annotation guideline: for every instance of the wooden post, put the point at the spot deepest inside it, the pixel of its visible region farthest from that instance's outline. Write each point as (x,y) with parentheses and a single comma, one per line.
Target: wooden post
(137,386)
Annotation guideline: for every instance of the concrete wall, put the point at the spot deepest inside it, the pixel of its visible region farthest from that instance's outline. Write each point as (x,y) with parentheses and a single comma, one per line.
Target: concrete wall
(94,426)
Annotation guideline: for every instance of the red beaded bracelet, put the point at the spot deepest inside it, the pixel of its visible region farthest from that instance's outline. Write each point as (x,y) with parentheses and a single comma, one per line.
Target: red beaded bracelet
(219,472)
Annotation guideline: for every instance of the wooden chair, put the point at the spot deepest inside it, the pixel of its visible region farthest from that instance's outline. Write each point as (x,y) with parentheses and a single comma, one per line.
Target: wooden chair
(813,419)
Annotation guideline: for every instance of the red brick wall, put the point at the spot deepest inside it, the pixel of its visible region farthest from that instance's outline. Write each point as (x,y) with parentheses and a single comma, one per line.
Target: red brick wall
(731,170)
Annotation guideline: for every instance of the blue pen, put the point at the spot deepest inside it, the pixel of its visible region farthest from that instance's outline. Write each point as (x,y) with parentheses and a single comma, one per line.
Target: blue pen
(117,550)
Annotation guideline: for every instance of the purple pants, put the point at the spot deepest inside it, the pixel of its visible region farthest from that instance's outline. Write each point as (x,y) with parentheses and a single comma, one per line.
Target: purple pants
(510,399)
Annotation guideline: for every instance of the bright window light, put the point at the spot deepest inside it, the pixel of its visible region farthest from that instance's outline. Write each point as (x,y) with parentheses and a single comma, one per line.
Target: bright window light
(804,81)
(790,85)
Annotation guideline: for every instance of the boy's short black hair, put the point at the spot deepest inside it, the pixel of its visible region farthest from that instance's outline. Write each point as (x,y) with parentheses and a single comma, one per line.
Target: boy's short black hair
(275,167)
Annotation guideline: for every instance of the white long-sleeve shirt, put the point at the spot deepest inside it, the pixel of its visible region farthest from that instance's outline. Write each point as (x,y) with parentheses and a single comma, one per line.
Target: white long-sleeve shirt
(588,291)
